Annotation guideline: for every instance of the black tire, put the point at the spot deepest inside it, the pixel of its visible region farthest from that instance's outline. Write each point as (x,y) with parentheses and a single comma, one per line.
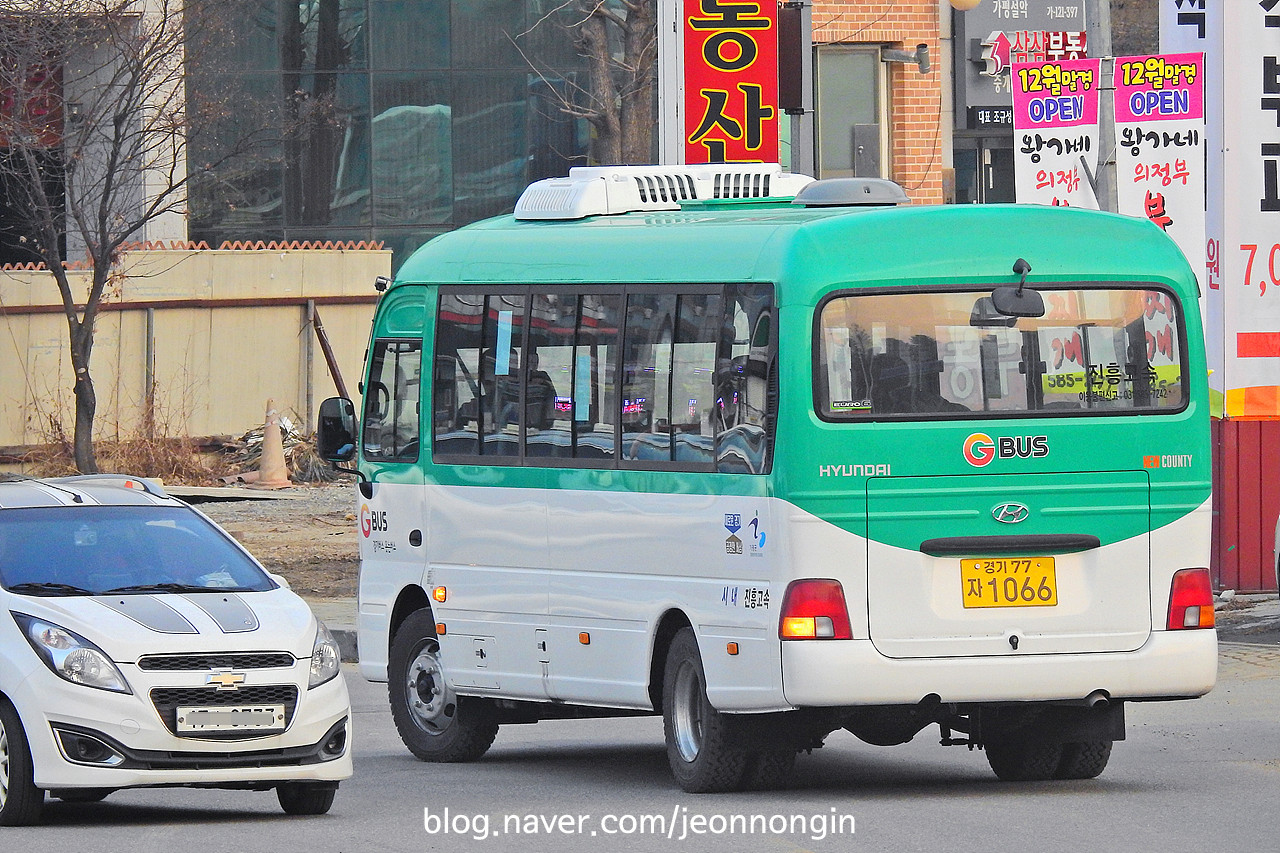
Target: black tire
(1084,760)
(700,743)
(20,800)
(1024,760)
(306,798)
(81,795)
(434,723)
(768,770)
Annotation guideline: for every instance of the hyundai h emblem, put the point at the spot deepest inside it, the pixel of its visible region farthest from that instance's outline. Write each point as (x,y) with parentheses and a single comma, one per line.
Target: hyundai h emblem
(1010,513)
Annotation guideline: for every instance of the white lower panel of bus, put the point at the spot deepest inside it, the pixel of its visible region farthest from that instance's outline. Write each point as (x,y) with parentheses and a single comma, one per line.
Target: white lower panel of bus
(989,601)
(1172,664)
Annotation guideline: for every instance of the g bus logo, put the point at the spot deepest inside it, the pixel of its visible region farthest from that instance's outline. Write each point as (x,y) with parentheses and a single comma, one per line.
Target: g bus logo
(371,521)
(979,449)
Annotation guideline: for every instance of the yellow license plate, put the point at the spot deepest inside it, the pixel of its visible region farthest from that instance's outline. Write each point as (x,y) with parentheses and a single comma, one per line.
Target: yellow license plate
(1009,582)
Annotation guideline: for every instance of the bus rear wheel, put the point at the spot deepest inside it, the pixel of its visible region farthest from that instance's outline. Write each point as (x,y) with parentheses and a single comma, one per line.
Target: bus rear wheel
(700,743)
(1032,760)
(434,723)
(1084,760)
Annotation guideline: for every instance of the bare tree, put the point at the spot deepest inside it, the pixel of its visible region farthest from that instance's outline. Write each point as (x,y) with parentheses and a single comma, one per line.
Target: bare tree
(95,126)
(619,41)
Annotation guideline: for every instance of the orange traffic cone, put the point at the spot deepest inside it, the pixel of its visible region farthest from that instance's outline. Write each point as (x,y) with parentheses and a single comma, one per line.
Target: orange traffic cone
(272,471)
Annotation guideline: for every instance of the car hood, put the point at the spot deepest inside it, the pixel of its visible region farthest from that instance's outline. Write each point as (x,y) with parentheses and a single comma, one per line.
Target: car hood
(127,627)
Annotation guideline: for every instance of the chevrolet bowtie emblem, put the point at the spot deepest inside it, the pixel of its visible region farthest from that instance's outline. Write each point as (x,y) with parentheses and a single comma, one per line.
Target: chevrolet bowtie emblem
(225,680)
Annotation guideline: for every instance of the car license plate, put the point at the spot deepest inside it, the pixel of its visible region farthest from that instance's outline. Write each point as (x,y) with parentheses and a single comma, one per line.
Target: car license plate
(231,718)
(1009,582)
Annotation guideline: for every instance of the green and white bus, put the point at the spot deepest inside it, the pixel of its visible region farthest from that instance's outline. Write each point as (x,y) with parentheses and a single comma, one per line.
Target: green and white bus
(773,458)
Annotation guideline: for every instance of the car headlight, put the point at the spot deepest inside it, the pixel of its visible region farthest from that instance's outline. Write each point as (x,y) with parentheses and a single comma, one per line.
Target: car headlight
(71,656)
(326,660)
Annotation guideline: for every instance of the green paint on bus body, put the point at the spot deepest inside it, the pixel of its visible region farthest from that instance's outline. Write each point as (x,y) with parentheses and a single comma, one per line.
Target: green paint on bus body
(829,469)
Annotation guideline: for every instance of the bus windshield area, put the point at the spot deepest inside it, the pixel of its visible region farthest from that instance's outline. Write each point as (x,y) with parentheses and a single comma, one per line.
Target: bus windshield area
(940,354)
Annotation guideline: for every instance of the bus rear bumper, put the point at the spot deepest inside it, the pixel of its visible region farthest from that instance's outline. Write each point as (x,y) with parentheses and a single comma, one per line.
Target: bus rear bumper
(832,673)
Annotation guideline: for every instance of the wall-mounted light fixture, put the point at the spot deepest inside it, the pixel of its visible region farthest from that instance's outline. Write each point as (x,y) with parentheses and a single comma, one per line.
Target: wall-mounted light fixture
(75,112)
(920,57)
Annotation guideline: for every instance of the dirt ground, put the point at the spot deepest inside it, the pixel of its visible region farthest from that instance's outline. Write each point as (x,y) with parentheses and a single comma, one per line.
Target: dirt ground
(305,533)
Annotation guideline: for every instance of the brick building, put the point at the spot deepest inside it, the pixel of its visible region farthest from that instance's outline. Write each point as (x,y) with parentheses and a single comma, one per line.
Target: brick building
(882,118)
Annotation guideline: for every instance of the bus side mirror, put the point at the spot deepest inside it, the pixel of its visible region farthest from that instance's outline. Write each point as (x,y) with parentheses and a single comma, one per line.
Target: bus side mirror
(337,430)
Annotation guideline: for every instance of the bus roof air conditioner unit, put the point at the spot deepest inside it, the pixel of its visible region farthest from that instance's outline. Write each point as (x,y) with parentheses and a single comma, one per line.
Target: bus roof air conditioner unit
(598,190)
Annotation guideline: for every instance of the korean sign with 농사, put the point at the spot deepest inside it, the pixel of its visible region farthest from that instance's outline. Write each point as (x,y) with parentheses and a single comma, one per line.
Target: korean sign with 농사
(1055,131)
(1159,109)
(730,81)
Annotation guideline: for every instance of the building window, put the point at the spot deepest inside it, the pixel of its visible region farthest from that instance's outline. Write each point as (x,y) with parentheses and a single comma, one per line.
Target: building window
(852,125)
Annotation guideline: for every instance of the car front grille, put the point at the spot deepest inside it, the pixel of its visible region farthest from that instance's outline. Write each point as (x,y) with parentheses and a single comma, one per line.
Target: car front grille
(216,660)
(168,699)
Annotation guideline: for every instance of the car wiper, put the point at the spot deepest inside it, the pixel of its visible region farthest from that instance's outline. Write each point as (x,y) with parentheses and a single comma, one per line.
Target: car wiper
(161,587)
(49,588)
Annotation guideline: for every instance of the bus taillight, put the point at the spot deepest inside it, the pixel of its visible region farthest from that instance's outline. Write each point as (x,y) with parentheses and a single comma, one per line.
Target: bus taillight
(1190,600)
(814,610)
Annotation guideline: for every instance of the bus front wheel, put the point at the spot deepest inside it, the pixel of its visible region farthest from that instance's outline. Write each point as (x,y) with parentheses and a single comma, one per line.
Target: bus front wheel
(434,723)
(700,743)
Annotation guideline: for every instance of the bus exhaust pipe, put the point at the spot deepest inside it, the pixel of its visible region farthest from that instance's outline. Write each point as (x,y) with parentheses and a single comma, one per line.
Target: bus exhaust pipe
(1097,699)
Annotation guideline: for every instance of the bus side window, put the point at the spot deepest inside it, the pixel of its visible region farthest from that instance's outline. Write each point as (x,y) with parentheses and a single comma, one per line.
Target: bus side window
(549,376)
(698,325)
(391,401)
(742,413)
(456,382)
(646,369)
(594,398)
(501,372)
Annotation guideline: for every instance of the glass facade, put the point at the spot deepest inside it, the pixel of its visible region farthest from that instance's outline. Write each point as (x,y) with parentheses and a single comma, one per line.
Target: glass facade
(391,120)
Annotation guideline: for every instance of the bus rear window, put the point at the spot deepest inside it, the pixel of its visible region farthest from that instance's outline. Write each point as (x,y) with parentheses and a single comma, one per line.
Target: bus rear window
(1094,351)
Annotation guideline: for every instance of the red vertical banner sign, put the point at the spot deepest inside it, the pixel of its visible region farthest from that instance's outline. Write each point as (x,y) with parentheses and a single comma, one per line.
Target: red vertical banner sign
(730,81)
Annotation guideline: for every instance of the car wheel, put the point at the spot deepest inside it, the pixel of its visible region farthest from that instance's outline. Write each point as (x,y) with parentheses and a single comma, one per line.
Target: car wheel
(20,800)
(1024,760)
(434,723)
(1083,760)
(700,744)
(306,798)
(80,795)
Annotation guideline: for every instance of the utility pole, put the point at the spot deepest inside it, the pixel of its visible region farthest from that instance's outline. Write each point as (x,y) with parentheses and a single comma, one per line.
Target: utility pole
(1098,27)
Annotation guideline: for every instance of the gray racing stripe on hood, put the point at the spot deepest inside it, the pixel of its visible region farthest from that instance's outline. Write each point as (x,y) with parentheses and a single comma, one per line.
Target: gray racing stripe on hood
(228,610)
(150,612)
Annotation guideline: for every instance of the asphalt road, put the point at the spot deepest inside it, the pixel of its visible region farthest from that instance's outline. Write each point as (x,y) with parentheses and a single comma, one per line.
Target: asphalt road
(1200,775)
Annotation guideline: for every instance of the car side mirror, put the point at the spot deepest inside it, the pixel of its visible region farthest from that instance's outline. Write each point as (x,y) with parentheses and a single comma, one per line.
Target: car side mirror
(337,430)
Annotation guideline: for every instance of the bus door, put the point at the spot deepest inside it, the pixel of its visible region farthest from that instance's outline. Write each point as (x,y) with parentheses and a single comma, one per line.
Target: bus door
(393,548)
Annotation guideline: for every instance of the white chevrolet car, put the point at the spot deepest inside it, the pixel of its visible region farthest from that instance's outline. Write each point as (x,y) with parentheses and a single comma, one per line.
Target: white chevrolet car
(140,645)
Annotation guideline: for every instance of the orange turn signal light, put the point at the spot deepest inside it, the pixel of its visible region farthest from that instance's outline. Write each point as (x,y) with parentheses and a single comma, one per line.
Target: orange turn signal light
(440,594)
(731,648)
(440,630)
(584,638)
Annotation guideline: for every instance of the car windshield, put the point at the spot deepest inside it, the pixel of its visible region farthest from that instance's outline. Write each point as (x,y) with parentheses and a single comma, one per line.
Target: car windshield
(92,550)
